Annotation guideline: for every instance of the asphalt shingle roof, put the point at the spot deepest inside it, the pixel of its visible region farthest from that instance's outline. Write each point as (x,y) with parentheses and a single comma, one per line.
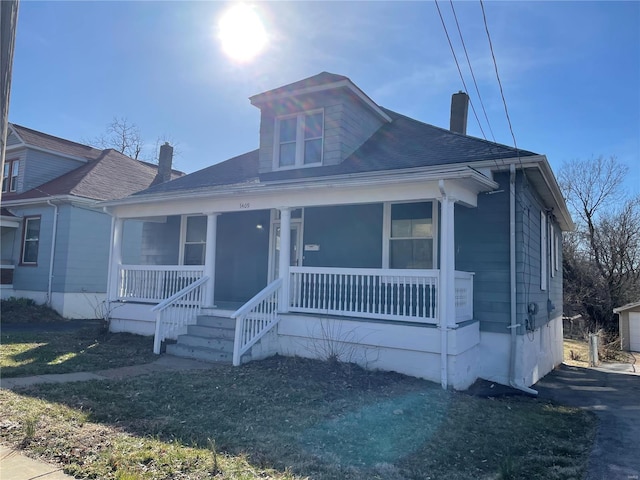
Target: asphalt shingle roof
(56,144)
(400,144)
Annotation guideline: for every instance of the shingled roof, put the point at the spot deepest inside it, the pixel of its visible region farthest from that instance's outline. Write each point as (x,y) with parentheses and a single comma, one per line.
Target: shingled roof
(400,144)
(55,144)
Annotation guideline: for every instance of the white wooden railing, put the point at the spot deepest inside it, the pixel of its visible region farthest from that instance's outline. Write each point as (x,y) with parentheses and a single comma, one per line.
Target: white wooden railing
(154,283)
(366,292)
(255,318)
(464,296)
(178,311)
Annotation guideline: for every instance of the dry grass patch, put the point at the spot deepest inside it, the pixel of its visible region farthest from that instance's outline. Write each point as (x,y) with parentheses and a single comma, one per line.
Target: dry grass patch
(89,349)
(293,418)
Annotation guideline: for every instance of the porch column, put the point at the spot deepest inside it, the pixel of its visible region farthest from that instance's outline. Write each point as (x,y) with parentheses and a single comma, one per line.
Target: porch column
(115,259)
(447,263)
(285,248)
(210,259)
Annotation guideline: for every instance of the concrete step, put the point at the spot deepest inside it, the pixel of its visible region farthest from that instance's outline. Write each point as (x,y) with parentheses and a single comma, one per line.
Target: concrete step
(222,344)
(199,353)
(211,332)
(214,321)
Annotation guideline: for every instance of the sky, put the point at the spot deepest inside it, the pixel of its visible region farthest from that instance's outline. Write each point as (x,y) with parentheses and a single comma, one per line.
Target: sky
(570,71)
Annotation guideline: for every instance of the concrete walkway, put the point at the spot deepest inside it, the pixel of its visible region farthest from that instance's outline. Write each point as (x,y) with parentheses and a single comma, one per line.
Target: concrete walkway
(14,465)
(612,392)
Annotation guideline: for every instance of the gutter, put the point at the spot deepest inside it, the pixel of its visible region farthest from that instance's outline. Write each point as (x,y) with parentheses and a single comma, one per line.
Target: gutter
(53,250)
(512,283)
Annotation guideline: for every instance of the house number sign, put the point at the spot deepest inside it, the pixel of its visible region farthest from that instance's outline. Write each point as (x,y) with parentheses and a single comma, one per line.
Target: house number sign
(245,205)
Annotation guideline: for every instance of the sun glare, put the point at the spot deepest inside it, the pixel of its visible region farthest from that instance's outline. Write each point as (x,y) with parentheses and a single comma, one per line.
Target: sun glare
(241,33)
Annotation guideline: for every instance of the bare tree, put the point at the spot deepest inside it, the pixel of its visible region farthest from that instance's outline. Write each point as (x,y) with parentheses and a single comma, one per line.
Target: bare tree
(602,257)
(121,135)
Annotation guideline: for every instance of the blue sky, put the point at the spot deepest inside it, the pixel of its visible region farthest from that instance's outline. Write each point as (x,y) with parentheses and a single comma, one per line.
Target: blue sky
(570,70)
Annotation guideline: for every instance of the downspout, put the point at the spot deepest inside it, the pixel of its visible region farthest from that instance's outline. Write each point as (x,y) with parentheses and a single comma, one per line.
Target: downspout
(53,250)
(512,283)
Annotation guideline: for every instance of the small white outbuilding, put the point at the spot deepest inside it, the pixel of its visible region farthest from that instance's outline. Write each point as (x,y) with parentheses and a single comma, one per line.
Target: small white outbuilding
(629,325)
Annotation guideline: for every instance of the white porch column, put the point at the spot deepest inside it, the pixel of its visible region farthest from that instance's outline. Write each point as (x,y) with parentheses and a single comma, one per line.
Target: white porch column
(115,259)
(285,248)
(447,298)
(210,259)
(447,263)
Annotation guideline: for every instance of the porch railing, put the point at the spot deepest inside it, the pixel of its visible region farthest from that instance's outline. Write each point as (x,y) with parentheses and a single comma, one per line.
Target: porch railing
(255,318)
(371,293)
(154,283)
(464,296)
(177,311)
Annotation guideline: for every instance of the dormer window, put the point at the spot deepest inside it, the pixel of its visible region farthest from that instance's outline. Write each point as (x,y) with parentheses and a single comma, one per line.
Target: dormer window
(299,140)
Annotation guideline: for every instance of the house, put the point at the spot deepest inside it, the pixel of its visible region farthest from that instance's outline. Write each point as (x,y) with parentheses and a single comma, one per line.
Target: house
(629,326)
(357,233)
(55,239)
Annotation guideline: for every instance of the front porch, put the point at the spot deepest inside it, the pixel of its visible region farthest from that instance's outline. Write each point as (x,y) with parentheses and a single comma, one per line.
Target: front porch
(375,255)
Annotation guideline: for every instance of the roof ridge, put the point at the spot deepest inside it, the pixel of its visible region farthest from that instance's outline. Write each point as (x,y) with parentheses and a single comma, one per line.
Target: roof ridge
(65,140)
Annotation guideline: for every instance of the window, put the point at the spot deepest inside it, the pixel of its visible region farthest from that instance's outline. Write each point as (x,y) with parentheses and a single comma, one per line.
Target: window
(195,240)
(411,235)
(31,239)
(299,140)
(10,176)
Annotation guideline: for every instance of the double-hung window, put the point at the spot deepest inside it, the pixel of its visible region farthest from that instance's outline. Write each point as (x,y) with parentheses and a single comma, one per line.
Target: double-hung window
(299,140)
(10,176)
(31,239)
(195,240)
(411,235)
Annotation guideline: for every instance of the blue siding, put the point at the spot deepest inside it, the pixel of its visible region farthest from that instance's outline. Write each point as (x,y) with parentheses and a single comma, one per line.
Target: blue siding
(482,246)
(85,237)
(160,242)
(34,277)
(348,236)
(12,139)
(40,167)
(8,253)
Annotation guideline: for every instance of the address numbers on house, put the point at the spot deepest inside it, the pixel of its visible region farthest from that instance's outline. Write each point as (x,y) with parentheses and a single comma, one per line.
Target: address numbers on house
(245,205)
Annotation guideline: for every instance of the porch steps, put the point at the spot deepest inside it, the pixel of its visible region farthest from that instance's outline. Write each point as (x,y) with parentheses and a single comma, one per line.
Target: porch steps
(210,339)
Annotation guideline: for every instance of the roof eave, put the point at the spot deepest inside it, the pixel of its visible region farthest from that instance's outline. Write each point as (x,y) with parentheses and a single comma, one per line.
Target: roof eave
(261,98)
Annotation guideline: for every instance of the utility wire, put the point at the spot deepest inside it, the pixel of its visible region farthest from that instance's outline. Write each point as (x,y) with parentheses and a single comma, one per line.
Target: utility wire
(504,102)
(458,65)
(471,70)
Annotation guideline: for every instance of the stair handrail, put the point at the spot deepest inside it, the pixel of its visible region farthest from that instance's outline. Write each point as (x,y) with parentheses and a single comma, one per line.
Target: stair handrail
(161,308)
(262,312)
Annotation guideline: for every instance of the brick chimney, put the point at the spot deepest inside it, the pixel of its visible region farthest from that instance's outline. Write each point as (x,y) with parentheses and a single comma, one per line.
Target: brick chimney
(164,164)
(459,111)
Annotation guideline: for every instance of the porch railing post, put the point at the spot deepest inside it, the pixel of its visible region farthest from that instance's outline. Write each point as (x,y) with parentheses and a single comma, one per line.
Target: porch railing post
(285,260)
(210,259)
(115,259)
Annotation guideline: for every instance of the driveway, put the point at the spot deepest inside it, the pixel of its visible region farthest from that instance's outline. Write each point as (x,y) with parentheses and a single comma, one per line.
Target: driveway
(614,397)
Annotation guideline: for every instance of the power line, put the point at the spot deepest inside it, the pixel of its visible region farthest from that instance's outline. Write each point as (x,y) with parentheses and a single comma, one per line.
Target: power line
(504,102)
(458,65)
(471,70)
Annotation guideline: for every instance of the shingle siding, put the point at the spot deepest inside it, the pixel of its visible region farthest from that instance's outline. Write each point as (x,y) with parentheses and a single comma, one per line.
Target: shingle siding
(348,123)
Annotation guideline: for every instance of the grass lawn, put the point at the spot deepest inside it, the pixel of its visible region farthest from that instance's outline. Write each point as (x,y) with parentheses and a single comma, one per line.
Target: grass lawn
(37,353)
(285,418)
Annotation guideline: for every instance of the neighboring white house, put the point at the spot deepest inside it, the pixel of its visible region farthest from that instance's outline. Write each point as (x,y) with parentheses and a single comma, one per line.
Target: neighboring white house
(629,326)
(407,247)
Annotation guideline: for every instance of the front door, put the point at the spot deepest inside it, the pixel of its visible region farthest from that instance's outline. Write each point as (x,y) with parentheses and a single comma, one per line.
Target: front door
(295,252)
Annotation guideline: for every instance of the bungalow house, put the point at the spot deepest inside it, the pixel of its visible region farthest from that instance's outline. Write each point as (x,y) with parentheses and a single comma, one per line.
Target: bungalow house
(357,233)
(55,239)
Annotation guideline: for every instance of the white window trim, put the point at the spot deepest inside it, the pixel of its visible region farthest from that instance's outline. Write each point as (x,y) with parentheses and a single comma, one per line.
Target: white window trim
(24,239)
(386,231)
(299,161)
(183,238)
(10,166)
(557,251)
(543,250)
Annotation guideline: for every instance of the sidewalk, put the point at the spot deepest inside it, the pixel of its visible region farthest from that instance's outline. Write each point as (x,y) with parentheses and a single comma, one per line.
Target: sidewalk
(14,465)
